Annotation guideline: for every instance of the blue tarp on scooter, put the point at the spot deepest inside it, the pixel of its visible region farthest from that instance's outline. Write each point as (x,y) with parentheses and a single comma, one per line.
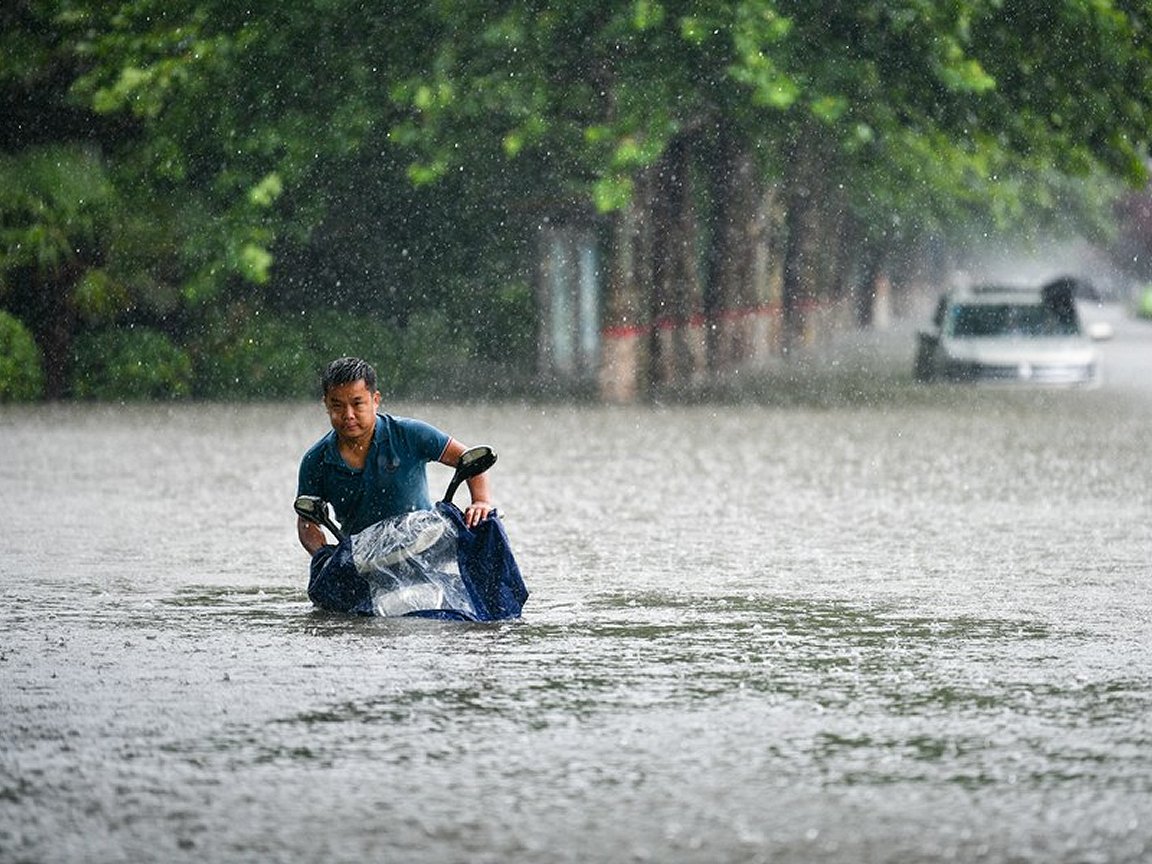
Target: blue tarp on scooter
(427,563)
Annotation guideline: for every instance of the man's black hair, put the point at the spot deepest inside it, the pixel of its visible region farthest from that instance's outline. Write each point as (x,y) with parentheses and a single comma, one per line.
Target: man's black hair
(348,370)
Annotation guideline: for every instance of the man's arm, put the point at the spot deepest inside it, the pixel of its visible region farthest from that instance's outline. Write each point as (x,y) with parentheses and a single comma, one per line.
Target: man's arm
(311,535)
(481,504)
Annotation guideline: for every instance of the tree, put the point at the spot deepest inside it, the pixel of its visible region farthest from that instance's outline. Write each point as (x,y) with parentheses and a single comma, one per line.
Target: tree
(250,156)
(736,155)
(55,203)
(879,122)
(281,125)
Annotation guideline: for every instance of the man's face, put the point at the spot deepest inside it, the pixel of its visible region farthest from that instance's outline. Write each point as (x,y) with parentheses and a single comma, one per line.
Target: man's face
(352,409)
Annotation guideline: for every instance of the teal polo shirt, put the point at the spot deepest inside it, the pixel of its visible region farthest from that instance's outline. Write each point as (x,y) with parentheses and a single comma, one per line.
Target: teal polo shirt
(393,480)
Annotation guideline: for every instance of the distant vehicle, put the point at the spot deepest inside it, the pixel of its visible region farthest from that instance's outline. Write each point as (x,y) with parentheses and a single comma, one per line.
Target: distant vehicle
(998,333)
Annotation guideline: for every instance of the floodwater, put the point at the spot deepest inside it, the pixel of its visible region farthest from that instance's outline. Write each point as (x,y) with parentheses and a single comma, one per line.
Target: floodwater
(879,623)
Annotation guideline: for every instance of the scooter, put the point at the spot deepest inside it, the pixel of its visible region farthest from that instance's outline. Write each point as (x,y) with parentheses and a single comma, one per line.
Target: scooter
(427,563)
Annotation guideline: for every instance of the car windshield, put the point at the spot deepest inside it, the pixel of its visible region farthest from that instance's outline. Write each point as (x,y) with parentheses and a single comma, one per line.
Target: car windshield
(976,320)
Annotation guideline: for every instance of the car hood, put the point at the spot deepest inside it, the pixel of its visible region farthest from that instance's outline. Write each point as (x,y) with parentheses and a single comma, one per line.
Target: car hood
(1007,350)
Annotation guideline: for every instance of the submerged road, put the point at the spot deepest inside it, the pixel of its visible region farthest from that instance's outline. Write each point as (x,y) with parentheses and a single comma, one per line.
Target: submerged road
(861,621)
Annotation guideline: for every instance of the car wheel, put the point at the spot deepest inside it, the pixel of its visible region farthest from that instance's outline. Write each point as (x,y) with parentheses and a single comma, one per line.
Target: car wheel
(922,369)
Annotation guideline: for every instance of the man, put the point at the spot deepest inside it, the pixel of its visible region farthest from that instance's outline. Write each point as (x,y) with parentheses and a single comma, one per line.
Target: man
(372,466)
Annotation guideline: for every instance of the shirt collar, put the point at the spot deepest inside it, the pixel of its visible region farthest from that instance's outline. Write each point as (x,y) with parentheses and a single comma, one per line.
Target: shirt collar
(332,447)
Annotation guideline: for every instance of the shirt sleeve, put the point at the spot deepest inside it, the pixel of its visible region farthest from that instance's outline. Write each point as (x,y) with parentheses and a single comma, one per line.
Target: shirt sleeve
(425,440)
(311,478)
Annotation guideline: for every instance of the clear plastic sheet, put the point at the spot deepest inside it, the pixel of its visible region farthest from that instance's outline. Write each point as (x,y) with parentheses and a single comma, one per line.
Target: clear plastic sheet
(411,564)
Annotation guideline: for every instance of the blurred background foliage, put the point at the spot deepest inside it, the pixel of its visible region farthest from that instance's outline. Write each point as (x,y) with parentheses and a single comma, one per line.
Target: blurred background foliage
(21,376)
(206,199)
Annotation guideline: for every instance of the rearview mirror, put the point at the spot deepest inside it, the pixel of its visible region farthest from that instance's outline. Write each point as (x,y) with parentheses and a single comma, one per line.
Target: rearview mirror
(311,508)
(315,510)
(473,461)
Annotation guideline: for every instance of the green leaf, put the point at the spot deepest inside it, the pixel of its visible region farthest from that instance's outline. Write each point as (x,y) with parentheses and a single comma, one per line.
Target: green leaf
(829,108)
(265,193)
(255,263)
(612,193)
(647,14)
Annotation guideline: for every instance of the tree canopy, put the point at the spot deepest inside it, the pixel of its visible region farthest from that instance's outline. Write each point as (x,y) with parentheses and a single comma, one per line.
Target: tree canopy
(165,159)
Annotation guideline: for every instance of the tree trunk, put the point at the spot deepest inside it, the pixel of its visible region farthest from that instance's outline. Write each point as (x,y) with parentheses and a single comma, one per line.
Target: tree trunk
(815,268)
(623,361)
(737,275)
(57,347)
(873,281)
(800,256)
(679,353)
(45,304)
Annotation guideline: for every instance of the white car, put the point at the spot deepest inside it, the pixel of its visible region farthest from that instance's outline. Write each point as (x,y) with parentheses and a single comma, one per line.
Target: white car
(996,333)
